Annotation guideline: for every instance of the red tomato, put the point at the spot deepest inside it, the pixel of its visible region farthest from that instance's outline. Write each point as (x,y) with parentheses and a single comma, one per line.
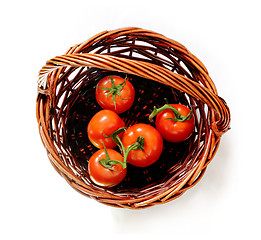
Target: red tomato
(103,176)
(153,144)
(104,122)
(175,131)
(117,94)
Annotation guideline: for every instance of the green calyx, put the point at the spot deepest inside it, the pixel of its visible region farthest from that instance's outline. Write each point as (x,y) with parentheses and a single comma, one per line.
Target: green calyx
(177,116)
(115,90)
(108,163)
(138,145)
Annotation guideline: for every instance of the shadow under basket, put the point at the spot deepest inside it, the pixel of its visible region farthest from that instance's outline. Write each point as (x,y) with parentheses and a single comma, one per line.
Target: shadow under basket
(159,68)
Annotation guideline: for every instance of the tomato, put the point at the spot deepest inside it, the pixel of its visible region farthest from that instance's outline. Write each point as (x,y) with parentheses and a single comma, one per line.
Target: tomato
(103,176)
(175,131)
(104,122)
(150,152)
(115,93)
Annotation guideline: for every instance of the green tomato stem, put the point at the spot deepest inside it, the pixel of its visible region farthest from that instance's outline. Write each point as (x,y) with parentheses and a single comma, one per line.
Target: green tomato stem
(108,163)
(135,146)
(138,145)
(178,117)
(114,135)
(115,90)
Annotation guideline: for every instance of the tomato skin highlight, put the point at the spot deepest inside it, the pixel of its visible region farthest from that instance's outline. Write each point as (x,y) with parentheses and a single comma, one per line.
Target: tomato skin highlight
(123,103)
(103,176)
(153,144)
(171,130)
(104,122)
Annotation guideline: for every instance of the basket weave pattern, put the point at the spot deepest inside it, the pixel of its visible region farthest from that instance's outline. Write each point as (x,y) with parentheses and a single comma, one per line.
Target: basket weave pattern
(155,62)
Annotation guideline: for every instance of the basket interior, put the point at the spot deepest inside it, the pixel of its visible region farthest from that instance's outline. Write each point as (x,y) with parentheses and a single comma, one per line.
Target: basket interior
(148,94)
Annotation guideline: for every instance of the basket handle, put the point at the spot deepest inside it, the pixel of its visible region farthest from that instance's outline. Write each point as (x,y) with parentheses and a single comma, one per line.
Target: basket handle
(220,118)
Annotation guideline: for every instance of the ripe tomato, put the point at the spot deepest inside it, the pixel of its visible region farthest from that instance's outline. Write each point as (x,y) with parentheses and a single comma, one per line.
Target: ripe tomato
(104,122)
(175,131)
(152,148)
(102,175)
(115,93)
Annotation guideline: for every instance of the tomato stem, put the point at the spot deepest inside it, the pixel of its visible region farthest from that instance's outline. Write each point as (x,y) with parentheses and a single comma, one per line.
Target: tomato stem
(138,145)
(114,135)
(108,163)
(177,116)
(114,90)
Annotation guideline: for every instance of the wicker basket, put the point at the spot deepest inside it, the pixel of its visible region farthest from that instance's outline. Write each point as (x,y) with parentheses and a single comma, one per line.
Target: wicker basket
(159,68)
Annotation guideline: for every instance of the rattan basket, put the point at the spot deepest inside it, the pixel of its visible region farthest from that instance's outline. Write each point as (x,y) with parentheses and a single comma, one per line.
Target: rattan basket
(158,68)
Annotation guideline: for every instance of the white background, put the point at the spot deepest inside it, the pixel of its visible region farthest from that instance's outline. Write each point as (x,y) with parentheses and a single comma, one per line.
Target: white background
(36,203)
